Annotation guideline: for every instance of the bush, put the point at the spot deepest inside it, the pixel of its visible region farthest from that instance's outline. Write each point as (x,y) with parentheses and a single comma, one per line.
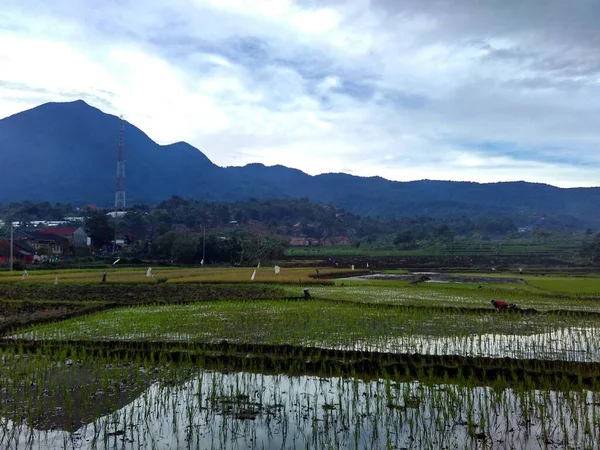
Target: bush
(19,265)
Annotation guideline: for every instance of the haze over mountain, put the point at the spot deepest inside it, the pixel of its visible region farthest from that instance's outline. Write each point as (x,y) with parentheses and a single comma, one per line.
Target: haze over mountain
(67,152)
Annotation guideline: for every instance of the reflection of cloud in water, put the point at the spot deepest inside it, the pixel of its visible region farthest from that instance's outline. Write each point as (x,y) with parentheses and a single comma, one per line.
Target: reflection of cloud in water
(309,412)
(569,344)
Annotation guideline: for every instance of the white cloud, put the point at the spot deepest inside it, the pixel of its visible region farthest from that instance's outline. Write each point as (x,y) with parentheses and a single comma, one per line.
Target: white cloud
(465,90)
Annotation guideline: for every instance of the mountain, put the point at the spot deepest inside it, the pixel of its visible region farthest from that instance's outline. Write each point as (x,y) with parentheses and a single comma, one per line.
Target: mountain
(67,152)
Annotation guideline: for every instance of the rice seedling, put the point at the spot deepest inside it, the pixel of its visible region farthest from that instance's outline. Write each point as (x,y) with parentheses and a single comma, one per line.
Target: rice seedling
(185,407)
(224,365)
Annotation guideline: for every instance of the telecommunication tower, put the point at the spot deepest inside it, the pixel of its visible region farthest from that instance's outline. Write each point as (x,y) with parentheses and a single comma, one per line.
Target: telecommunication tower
(120,201)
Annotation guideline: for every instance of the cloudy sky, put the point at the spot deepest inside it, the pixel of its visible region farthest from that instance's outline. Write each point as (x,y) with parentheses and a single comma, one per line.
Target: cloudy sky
(475,90)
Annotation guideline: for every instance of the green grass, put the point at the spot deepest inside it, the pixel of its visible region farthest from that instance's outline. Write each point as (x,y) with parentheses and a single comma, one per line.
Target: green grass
(575,286)
(396,271)
(582,285)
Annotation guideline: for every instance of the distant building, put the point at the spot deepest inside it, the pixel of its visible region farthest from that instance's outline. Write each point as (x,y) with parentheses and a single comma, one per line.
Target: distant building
(75,235)
(325,243)
(342,240)
(125,238)
(114,214)
(51,244)
(21,252)
(299,242)
(37,223)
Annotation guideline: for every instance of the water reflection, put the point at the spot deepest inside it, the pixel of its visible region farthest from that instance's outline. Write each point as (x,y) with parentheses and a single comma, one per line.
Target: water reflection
(564,344)
(217,410)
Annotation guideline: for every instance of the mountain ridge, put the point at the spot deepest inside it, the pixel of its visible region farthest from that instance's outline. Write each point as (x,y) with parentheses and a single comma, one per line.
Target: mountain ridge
(69,151)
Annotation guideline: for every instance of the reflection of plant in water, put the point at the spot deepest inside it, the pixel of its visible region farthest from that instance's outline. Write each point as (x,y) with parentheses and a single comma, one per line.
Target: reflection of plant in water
(180,403)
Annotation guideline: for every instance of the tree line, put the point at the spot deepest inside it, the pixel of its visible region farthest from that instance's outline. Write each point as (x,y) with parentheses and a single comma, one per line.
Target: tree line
(189,231)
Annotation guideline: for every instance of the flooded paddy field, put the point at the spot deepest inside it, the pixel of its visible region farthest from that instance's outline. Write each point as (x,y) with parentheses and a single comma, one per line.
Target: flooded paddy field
(457,295)
(359,364)
(335,325)
(183,406)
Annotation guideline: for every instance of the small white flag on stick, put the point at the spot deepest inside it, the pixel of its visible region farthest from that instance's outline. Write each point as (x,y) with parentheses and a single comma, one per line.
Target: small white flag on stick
(277,269)
(254,273)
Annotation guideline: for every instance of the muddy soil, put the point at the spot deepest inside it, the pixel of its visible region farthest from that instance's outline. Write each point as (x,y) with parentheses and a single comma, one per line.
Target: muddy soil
(12,319)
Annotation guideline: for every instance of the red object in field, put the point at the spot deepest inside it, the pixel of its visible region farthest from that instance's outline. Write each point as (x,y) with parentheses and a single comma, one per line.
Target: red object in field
(499,304)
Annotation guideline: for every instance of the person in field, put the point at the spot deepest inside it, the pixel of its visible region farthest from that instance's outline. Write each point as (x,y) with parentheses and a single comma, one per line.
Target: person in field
(500,305)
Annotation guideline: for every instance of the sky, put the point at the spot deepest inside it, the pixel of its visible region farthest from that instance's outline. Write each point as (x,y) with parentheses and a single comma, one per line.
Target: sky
(485,91)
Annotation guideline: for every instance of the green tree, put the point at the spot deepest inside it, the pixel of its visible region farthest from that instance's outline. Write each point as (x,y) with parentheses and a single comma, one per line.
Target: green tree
(591,249)
(98,228)
(184,249)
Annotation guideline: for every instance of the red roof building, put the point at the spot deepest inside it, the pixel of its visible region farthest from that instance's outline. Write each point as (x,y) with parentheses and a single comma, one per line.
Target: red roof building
(21,252)
(59,231)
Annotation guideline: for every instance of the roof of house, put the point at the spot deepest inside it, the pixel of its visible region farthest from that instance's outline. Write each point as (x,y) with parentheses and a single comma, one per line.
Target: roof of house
(18,248)
(59,231)
(39,236)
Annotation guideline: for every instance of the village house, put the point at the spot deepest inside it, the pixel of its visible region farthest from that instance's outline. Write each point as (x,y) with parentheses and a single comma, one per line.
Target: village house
(75,235)
(342,240)
(21,252)
(44,244)
(299,242)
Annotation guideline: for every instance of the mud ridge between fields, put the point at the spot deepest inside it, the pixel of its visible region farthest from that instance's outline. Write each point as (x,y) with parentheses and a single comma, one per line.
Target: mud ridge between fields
(297,360)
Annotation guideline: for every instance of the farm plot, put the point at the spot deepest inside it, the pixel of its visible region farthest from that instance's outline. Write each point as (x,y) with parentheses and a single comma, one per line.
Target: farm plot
(342,326)
(449,295)
(370,364)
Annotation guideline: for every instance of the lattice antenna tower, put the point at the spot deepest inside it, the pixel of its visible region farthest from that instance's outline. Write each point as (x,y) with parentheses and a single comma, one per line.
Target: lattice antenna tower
(120,199)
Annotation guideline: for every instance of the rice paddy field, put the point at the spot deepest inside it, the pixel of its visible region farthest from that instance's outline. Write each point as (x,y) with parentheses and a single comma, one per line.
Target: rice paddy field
(210,359)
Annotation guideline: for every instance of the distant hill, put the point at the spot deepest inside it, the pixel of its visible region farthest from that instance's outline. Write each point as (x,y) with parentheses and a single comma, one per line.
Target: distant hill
(66,152)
